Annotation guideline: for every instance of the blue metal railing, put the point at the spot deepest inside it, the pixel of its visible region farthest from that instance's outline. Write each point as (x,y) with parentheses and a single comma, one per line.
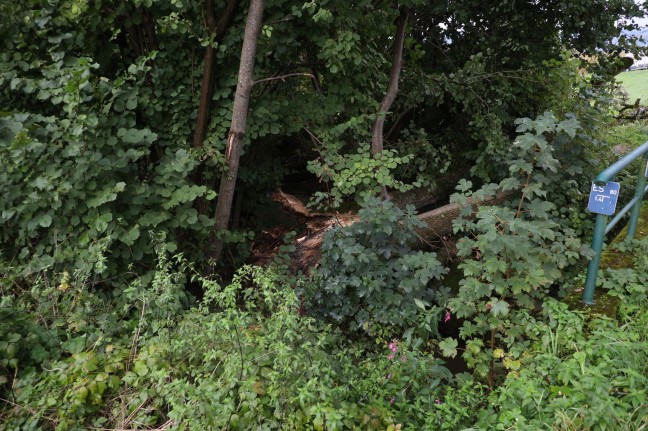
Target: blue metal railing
(602,226)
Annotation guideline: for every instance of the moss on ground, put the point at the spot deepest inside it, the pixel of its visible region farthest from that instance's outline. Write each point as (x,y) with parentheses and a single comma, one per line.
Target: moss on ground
(610,259)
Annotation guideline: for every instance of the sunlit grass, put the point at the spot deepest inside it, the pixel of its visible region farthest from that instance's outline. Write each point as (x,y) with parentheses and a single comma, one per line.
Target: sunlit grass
(636,84)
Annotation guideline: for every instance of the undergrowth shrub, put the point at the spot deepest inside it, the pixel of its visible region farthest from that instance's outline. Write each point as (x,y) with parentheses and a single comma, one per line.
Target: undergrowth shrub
(370,279)
(629,281)
(145,355)
(512,254)
(576,376)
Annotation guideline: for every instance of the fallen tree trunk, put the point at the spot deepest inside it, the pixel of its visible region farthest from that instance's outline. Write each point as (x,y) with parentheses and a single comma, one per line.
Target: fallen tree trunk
(422,198)
(438,222)
(308,244)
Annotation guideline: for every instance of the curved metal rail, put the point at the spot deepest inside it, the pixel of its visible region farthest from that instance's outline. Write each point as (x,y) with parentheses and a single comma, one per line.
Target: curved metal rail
(602,226)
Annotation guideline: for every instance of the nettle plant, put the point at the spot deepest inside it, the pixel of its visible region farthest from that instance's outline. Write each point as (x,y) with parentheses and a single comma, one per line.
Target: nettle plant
(511,254)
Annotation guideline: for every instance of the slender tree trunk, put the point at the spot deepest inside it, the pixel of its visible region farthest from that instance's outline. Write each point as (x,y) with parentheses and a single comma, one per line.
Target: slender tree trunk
(206,89)
(217,30)
(239,119)
(392,89)
(149,30)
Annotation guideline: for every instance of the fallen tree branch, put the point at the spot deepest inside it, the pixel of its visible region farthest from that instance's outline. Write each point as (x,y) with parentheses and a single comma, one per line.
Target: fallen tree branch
(639,111)
(308,244)
(422,199)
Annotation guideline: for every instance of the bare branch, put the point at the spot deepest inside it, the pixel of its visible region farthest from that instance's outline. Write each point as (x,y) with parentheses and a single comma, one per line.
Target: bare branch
(280,20)
(282,77)
(313,137)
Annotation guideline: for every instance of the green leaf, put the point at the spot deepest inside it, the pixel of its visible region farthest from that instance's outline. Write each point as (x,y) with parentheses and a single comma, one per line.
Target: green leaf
(131,103)
(449,347)
(569,126)
(524,125)
(464,185)
(129,377)
(420,304)
(106,195)
(539,208)
(140,369)
(474,346)
(75,345)
(510,183)
(499,307)
(45,220)
(101,223)
(131,236)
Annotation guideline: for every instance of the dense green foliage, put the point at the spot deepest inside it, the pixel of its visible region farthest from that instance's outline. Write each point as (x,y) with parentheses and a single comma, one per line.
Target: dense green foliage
(513,255)
(369,278)
(146,358)
(113,316)
(75,358)
(577,381)
(99,102)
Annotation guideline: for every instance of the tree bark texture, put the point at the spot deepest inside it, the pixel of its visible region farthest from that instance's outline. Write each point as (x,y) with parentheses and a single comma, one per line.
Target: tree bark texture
(438,222)
(392,87)
(216,30)
(239,119)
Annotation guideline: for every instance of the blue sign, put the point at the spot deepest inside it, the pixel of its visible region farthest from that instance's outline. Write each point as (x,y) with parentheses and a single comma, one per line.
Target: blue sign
(603,198)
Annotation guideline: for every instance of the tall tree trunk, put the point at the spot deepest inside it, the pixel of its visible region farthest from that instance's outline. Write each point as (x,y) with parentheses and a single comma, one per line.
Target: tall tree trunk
(392,87)
(239,119)
(149,29)
(217,31)
(206,89)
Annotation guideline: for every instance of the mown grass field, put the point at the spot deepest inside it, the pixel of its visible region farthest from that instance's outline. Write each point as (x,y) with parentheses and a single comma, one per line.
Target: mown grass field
(636,83)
